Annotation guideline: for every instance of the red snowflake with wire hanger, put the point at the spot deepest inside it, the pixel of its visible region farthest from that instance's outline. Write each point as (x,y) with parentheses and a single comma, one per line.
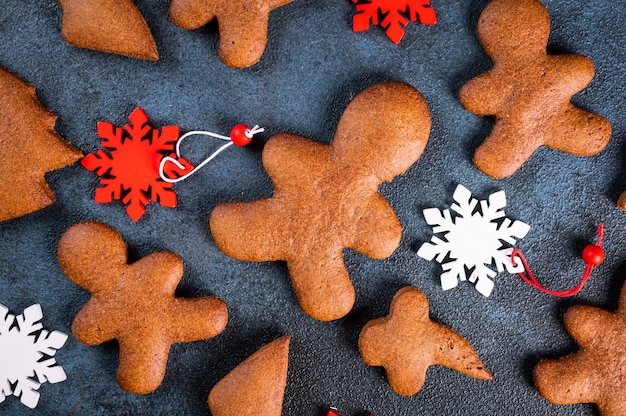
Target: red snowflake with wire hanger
(129,167)
(143,163)
(395,15)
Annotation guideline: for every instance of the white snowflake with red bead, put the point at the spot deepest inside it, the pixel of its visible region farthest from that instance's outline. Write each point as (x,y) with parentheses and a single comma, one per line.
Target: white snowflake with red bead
(26,355)
(476,237)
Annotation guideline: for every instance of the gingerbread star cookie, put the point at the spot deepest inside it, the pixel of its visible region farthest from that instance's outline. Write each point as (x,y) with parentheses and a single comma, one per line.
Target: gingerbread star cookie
(134,303)
(113,26)
(596,373)
(29,147)
(242,25)
(406,342)
(326,197)
(529,91)
(256,386)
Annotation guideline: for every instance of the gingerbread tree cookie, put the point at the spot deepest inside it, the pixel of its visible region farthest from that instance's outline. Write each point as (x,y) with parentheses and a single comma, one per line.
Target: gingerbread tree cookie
(596,373)
(114,26)
(406,342)
(242,25)
(256,386)
(29,147)
(134,303)
(529,91)
(326,197)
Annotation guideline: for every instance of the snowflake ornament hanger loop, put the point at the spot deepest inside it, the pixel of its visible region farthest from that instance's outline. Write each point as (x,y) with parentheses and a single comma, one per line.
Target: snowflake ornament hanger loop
(240,135)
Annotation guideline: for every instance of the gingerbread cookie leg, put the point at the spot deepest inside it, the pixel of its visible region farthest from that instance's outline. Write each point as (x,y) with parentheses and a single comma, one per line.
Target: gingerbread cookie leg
(114,26)
(504,151)
(322,285)
(142,364)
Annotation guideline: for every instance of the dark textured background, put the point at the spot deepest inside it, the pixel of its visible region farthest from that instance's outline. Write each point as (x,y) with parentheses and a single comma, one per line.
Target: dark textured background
(313,66)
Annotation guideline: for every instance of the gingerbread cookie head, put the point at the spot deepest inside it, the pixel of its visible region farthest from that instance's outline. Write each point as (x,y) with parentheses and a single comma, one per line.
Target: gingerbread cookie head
(406,342)
(29,147)
(242,25)
(502,30)
(326,197)
(596,372)
(134,303)
(529,91)
(113,26)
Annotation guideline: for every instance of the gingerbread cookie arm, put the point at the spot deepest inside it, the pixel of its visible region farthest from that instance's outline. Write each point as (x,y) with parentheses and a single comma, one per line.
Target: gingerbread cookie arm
(85,327)
(484,94)
(286,153)
(192,14)
(581,133)
(266,241)
(197,318)
(560,382)
(143,359)
(378,229)
(586,324)
(243,31)
(114,26)
(322,285)
(159,272)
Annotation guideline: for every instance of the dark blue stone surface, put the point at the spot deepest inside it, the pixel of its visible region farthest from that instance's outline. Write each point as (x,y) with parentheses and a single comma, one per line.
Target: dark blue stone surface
(314,65)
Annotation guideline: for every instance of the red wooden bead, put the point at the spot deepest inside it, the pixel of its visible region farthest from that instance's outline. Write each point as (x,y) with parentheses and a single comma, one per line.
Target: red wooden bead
(240,135)
(332,412)
(593,255)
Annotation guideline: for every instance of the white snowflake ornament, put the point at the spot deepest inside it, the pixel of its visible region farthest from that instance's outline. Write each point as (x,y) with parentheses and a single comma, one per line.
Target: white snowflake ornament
(26,355)
(479,236)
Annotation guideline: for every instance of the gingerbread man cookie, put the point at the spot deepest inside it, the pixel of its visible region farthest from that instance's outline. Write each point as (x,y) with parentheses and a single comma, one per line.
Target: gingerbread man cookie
(406,342)
(326,197)
(134,303)
(529,91)
(242,25)
(596,373)
(29,147)
(113,26)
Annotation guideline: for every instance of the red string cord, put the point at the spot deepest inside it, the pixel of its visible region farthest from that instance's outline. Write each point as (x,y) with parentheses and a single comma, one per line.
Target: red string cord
(593,255)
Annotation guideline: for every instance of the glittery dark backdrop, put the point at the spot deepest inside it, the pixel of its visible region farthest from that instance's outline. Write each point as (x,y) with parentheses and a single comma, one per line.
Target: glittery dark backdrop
(314,65)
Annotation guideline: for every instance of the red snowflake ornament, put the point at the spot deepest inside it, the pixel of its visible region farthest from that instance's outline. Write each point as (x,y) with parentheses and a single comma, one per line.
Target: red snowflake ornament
(393,12)
(130,168)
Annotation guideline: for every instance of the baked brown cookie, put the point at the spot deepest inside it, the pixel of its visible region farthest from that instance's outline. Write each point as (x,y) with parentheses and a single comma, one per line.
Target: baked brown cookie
(326,197)
(113,26)
(134,303)
(529,91)
(406,342)
(596,373)
(256,386)
(621,203)
(242,25)
(29,147)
